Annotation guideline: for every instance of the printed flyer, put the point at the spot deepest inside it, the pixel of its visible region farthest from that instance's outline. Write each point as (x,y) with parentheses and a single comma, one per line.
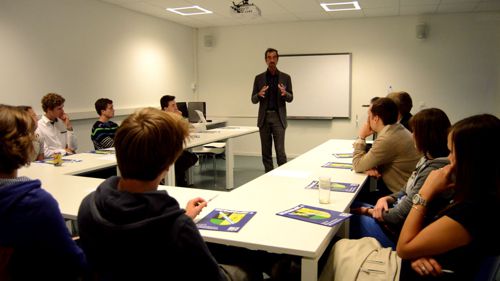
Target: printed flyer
(315,215)
(225,220)
(336,186)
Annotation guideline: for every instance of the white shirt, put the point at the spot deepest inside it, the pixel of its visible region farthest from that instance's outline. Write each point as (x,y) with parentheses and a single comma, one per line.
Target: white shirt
(55,137)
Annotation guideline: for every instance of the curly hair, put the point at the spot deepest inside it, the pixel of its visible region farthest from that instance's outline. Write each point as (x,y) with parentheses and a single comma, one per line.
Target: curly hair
(51,100)
(16,138)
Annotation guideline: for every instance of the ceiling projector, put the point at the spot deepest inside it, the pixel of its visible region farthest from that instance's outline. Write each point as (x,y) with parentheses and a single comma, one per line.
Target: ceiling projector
(244,8)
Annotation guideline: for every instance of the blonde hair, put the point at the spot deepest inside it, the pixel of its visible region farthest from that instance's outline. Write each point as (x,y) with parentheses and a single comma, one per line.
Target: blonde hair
(148,142)
(16,138)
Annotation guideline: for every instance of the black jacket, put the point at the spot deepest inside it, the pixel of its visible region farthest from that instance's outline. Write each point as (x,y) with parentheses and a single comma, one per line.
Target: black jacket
(259,82)
(142,236)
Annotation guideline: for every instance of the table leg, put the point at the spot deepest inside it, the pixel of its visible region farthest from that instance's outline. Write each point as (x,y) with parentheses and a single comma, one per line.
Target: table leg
(170,176)
(309,269)
(229,164)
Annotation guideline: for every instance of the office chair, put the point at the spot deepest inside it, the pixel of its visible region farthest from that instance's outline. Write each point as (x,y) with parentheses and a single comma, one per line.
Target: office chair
(210,149)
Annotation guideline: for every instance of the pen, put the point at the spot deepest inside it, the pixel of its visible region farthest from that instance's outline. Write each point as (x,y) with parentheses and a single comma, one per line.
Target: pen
(209,200)
(447,271)
(225,217)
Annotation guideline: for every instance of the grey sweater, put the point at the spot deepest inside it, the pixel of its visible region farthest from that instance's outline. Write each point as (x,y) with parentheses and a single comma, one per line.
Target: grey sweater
(399,212)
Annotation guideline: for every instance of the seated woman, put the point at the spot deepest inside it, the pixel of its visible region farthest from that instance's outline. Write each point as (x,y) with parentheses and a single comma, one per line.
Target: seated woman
(430,130)
(34,241)
(454,244)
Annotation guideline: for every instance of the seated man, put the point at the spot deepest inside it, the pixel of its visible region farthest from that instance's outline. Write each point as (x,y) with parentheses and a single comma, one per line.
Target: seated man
(129,230)
(404,103)
(393,155)
(103,131)
(186,159)
(54,128)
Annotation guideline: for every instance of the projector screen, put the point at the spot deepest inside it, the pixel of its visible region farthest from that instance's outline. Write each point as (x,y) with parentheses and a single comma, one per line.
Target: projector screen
(321,85)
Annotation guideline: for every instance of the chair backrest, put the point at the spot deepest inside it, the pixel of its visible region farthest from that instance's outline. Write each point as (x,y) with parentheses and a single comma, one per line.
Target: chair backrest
(201,117)
(192,107)
(182,107)
(489,270)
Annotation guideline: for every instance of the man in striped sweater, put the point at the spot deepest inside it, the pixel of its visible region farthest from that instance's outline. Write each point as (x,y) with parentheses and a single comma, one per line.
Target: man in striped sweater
(103,131)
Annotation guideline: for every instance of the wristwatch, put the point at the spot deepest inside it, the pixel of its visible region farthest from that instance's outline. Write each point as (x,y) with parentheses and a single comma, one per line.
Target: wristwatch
(417,199)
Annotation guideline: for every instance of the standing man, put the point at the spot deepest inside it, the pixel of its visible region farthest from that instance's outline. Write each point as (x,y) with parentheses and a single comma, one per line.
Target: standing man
(187,158)
(272,89)
(54,128)
(103,131)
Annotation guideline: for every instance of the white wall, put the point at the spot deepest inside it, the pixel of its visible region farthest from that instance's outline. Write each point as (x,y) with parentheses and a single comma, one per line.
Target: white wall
(87,49)
(455,69)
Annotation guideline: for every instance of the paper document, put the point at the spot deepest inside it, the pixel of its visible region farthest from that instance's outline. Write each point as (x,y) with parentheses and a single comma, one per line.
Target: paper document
(336,186)
(315,215)
(337,165)
(343,155)
(225,220)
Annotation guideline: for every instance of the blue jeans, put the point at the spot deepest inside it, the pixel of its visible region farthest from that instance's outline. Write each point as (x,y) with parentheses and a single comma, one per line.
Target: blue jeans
(366,226)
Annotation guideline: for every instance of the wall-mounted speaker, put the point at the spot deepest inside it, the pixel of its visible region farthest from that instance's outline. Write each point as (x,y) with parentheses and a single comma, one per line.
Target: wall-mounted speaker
(208,41)
(422,31)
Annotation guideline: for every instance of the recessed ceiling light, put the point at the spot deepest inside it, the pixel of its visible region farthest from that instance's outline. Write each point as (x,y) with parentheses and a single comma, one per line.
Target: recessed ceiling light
(189,11)
(341,6)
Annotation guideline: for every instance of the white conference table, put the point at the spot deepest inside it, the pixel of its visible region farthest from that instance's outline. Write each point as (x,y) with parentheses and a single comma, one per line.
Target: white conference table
(214,135)
(278,190)
(282,189)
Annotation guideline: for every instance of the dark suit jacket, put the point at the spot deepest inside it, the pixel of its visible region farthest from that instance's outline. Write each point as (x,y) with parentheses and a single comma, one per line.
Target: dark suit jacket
(260,81)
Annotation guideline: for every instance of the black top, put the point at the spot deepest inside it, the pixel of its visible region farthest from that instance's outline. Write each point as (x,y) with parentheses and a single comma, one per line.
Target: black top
(142,236)
(465,261)
(273,91)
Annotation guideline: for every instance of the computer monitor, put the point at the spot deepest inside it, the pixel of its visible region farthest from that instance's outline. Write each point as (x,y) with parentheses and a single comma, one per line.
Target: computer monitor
(182,106)
(196,105)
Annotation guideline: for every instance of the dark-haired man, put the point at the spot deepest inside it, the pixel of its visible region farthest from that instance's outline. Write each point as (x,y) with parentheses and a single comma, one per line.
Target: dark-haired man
(103,131)
(404,102)
(393,155)
(187,159)
(272,89)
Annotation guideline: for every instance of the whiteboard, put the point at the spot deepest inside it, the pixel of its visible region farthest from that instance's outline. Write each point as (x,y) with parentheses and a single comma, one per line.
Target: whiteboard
(321,85)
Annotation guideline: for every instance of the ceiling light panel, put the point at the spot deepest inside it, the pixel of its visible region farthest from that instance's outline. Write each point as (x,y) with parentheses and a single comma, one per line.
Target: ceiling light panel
(189,11)
(341,6)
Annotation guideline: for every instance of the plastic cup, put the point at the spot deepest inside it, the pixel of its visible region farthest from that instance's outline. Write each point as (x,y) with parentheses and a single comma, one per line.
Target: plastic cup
(57,159)
(324,189)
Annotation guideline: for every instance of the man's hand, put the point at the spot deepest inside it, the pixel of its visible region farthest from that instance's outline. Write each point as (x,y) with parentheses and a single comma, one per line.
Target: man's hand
(282,89)
(67,122)
(262,92)
(373,173)
(70,151)
(365,130)
(194,207)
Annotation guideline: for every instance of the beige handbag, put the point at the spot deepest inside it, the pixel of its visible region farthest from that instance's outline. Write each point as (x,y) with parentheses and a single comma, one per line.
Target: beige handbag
(361,260)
